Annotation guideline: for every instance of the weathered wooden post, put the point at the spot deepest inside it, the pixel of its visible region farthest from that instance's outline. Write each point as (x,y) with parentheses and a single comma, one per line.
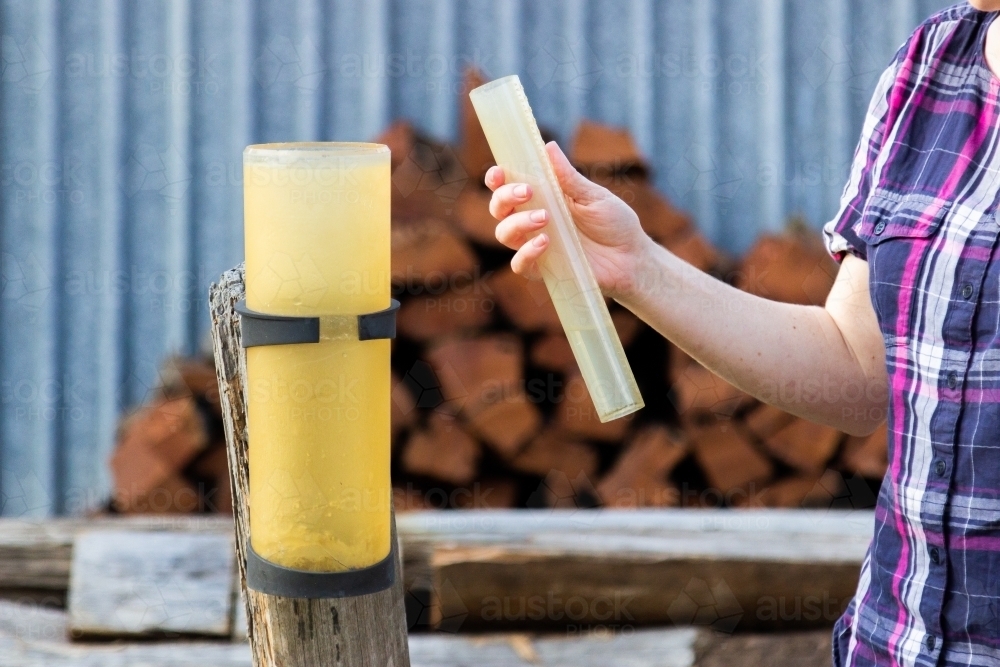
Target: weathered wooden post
(302,347)
(367,630)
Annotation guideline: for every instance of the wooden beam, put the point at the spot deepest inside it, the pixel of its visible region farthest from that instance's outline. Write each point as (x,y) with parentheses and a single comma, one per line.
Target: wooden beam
(656,566)
(129,583)
(34,637)
(745,548)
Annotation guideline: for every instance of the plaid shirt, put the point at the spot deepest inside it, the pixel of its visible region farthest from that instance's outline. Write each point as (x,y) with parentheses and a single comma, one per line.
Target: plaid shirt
(920,206)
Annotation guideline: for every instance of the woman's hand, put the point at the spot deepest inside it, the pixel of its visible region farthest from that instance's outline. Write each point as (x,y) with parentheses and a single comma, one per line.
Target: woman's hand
(609,230)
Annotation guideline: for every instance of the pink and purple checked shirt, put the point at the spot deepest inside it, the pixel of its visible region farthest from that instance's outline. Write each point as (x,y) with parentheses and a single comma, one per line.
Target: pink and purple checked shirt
(921,207)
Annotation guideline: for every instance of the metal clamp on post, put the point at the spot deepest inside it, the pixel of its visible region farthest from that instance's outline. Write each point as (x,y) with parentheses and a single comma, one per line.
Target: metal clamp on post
(267,577)
(263,329)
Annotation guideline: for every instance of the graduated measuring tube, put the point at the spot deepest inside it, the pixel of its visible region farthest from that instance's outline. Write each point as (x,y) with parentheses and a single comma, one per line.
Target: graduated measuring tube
(518,148)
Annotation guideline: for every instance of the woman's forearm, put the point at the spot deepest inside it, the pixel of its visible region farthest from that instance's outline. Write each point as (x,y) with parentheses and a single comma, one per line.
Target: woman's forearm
(824,364)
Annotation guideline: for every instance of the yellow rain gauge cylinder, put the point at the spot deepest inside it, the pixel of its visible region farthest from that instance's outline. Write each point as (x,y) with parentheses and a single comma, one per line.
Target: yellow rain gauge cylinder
(509,125)
(316,326)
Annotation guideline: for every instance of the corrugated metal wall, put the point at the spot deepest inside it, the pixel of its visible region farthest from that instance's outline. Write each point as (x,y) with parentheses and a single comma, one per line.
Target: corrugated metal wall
(122,124)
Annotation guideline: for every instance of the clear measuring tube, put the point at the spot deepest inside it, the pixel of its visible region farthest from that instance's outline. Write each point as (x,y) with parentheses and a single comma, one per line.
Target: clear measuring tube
(504,112)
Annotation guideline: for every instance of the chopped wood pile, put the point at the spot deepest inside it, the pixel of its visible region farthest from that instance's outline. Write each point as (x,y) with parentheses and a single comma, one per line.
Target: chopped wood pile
(488,406)
(171,453)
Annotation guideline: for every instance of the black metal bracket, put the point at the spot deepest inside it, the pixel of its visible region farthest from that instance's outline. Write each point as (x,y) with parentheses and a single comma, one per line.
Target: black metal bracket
(267,577)
(380,324)
(263,329)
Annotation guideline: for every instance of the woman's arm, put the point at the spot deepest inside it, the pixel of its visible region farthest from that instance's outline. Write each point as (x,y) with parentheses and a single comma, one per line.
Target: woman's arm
(825,364)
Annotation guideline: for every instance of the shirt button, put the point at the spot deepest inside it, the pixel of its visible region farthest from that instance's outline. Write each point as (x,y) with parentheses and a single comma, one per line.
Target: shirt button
(935,556)
(879,228)
(940,467)
(952,380)
(931,642)
(967,292)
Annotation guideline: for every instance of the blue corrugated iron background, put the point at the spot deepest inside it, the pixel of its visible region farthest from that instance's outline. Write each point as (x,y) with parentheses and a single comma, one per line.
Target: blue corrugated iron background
(122,124)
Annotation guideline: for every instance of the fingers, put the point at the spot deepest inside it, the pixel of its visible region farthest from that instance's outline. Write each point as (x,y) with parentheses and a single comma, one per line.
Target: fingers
(506,197)
(525,260)
(574,184)
(495,178)
(513,230)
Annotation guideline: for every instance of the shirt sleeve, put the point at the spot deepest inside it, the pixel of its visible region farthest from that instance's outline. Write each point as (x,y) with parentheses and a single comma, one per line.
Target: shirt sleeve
(840,233)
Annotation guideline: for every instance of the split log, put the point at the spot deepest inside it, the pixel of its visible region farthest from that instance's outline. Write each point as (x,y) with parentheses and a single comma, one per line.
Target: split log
(442,451)
(170,429)
(427,176)
(560,491)
(730,462)
(550,451)
(146,483)
(805,445)
(367,630)
(507,424)
(525,302)
(553,353)
(799,491)
(639,476)
(478,372)
(428,252)
(483,379)
(599,150)
(765,420)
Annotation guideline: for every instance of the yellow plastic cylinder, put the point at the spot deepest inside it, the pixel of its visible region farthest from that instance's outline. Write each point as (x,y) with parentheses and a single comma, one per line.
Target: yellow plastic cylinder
(316,224)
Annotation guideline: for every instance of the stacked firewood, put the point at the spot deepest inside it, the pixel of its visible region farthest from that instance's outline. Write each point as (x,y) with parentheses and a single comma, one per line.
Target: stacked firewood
(171,453)
(488,405)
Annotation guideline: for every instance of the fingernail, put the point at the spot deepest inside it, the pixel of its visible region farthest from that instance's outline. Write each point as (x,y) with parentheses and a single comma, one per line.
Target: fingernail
(537,216)
(521,191)
(539,240)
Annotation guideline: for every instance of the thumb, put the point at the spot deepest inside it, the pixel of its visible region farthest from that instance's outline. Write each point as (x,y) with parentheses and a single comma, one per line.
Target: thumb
(574,184)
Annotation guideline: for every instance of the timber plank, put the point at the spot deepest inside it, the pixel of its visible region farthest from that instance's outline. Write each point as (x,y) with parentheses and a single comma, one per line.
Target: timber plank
(128,583)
